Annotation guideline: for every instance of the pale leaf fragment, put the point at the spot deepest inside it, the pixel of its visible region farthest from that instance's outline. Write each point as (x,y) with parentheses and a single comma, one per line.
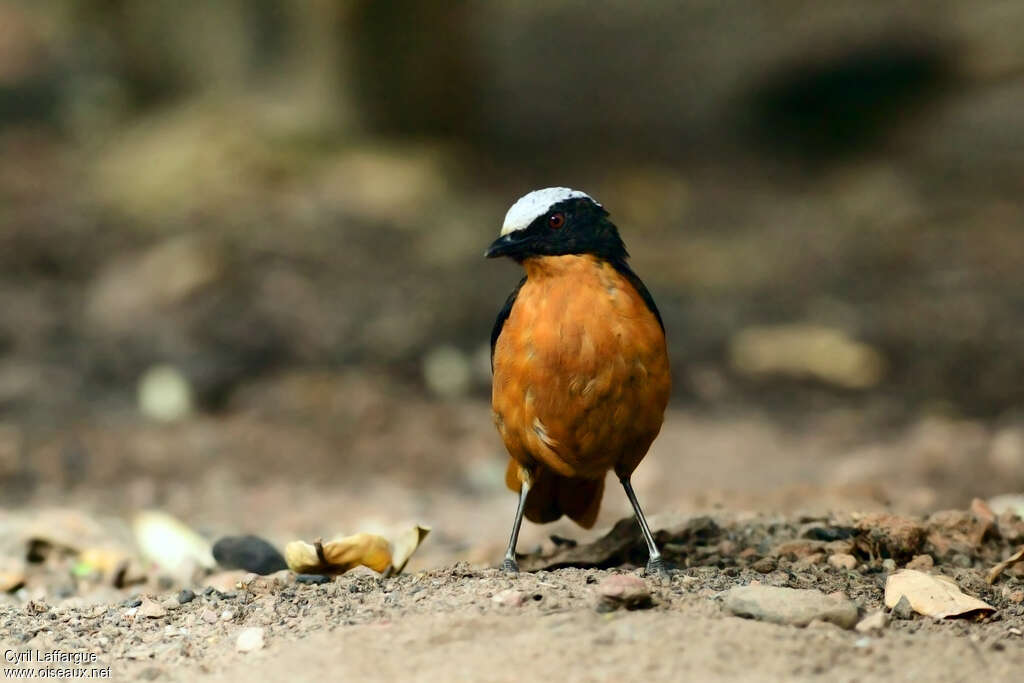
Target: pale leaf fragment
(931,595)
(405,545)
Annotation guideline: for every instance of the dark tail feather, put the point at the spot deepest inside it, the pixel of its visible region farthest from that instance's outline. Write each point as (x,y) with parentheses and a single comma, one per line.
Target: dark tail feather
(552,496)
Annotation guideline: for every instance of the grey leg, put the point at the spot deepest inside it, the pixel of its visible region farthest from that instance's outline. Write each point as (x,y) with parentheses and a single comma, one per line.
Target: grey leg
(510,564)
(655,565)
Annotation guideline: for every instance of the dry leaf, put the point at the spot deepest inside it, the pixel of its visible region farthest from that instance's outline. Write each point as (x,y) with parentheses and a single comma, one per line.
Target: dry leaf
(1004,565)
(337,557)
(931,595)
(405,545)
(342,554)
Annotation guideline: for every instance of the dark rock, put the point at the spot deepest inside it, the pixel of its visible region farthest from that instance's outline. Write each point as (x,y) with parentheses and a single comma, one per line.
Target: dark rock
(903,610)
(251,553)
(830,533)
(315,579)
(187,595)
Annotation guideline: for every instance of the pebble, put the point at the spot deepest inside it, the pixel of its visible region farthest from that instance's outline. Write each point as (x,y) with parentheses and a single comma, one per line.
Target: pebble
(623,590)
(793,606)
(250,553)
(902,609)
(209,616)
(765,565)
(876,621)
(150,609)
(889,565)
(509,597)
(314,579)
(921,563)
(842,561)
(225,582)
(250,639)
(810,561)
(891,534)
(185,596)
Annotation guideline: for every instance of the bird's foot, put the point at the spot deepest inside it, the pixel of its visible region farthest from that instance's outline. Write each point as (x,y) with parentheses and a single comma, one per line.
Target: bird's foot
(656,568)
(510,566)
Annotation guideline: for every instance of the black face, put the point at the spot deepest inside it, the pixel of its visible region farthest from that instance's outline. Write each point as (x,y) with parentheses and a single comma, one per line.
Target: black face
(573,226)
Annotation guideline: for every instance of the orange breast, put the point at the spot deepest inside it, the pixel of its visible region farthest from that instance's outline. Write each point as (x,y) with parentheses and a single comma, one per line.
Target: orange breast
(581,374)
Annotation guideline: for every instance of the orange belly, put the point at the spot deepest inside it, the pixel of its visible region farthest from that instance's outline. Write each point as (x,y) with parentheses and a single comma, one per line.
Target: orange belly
(581,373)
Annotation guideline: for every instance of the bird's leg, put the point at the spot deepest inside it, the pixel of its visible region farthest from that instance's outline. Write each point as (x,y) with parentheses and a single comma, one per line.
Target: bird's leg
(510,564)
(655,565)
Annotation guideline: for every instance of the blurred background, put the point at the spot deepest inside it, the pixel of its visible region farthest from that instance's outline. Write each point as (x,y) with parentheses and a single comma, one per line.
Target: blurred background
(241,272)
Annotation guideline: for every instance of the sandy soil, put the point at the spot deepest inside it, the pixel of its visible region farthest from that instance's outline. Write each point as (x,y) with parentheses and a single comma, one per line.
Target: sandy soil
(702,482)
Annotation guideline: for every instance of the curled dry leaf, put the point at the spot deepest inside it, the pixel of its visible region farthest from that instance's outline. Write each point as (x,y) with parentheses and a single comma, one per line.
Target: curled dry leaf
(931,595)
(367,550)
(994,573)
(405,545)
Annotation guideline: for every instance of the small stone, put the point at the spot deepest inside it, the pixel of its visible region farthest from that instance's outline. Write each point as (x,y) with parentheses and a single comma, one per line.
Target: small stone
(889,565)
(797,607)
(250,639)
(624,590)
(509,597)
(170,603)
(209,616)
(151,609)
(765,565)
(876,621)
(185,596)
(885,534)
(921,563)
(312,579)
(164,394)
(843,561)
(250,553)
(903,610)
(262,585)
(1014,596)
(811,560)
(227,615)
(225,582)
(798,549)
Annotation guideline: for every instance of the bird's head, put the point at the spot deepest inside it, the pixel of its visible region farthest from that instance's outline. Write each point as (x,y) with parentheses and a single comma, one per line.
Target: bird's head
(557,221)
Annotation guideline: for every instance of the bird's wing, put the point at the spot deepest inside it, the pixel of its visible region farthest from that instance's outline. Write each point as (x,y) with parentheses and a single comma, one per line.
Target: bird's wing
(625,271)
(503,314)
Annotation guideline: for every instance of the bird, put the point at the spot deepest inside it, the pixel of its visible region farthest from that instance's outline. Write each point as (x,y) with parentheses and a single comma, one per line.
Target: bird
(579,362)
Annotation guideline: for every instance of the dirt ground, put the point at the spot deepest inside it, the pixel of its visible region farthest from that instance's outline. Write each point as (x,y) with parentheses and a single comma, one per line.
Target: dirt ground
(738,498)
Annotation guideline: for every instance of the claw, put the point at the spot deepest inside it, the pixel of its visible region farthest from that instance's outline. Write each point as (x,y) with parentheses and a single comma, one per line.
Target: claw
(510,566)
(656,568)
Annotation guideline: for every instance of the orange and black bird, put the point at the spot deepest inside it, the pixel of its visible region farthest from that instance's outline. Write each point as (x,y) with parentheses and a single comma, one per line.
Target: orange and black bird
(578,354)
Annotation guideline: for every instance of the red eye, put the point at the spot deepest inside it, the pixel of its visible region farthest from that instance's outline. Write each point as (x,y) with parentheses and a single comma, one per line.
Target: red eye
(556,220)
